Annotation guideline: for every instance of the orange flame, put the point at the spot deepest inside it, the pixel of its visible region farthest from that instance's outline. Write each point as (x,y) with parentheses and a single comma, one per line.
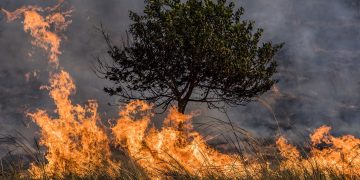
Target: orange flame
(75,143)
(175,148)
(40,27)
(327,153)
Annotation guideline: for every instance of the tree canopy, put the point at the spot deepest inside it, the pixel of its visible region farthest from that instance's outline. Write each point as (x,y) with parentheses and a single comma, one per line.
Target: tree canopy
(193,51)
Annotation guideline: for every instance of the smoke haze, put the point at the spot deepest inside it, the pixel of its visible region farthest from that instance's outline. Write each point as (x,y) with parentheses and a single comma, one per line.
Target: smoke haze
(318,68)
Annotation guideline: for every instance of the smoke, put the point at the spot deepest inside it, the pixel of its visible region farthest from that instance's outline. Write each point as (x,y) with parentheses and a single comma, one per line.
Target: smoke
(24,68)
(318,67)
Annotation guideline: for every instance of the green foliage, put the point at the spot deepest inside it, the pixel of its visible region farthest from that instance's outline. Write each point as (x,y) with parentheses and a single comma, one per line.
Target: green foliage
(193,51)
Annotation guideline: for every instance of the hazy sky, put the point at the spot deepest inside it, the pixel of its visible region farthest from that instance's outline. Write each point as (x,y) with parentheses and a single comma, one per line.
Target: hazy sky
(318,68)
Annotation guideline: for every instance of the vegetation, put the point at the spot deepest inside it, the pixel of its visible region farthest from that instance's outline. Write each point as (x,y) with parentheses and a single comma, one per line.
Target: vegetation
(17,169)
(192,51)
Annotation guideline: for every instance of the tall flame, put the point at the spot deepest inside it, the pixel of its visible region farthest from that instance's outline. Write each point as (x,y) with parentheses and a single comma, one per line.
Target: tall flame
(39,27)
(327,153)
(75,143)
(175,148)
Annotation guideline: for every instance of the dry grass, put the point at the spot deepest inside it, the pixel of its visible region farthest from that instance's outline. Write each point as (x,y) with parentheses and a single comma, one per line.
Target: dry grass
(14,166)
(130,170)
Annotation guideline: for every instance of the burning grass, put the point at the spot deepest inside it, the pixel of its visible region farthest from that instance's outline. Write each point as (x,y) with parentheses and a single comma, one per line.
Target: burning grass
(77,146)
(328,154)
(174,148)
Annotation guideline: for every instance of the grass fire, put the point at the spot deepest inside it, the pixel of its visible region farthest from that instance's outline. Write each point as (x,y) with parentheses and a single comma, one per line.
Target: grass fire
(177,59)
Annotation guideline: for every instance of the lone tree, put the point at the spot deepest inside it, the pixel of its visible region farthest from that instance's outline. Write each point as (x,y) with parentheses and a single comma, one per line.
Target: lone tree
(193,51)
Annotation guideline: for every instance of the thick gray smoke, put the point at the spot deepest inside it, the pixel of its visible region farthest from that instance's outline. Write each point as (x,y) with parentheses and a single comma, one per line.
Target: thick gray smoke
(318,68)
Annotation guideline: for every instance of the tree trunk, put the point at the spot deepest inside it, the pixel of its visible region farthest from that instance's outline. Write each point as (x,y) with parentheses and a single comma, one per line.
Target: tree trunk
(182,106)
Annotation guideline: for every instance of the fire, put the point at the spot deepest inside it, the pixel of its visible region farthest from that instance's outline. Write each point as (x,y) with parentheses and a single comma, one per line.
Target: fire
(174,148)
(76,145)
(39,27)
(327,153)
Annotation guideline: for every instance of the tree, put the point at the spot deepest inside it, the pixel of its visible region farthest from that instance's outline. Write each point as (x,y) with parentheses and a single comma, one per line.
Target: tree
(193,51)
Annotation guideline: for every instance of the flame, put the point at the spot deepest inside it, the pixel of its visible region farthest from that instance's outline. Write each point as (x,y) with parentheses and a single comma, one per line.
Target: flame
(174,148)
(39,27)
(327,153)
(75,143)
